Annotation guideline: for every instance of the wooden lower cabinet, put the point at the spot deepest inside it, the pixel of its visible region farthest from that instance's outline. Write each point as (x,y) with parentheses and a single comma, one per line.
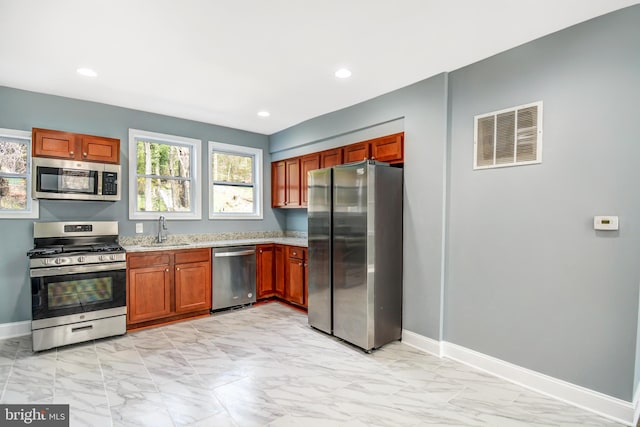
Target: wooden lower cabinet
(265,280)
(295,291)
(280,270)
(148,293)
(193,287)
(288,272)
(167,285)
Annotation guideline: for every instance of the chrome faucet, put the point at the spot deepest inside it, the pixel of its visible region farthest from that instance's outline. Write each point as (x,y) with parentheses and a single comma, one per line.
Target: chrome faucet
(162,226)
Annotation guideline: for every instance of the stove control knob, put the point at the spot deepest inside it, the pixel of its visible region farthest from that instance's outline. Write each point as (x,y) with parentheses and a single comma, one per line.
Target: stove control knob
(82,259)
(112,257)
(59,260)
(46,261)
(102,258)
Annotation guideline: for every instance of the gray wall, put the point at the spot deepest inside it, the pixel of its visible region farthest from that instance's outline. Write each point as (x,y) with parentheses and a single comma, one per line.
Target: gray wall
(528,279)
(23,110)
(423,107)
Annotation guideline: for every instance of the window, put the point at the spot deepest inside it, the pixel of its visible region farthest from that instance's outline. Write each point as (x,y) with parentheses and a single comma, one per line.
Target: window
(163,176)
(15,175)
(235,182)
(508,137)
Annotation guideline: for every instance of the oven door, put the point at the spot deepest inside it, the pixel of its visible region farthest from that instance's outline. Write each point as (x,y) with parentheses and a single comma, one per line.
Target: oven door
(63,291)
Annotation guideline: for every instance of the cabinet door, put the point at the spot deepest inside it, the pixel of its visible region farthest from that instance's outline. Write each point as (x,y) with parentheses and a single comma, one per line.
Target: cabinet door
(307,163)
(388,149)
(356,152)
(280,267)
(278,183)
(53,143)
(193,287)
(292,184)
(149,293)
(100,149)
(331,158)
(265,271)
(294,289)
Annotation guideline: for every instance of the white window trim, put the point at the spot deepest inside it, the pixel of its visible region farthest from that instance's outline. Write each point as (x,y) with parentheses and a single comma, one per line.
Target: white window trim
(195,144)
(242,150)
(508,165)
(33,208)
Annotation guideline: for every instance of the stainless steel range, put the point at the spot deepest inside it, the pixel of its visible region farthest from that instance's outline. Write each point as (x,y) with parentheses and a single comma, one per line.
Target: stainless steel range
(78,283)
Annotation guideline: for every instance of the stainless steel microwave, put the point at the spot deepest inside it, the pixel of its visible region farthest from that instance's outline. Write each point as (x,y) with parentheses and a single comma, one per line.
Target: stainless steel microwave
(73,180)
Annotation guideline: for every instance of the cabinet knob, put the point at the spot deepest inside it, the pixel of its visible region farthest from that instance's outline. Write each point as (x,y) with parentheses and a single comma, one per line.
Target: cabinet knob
(167,270)
(71,153)
(178,269)
(84,154)
(260,250)
(300,264)
(373,157)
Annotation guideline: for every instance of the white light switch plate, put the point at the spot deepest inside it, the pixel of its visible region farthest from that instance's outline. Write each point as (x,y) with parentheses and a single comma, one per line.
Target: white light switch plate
(139,227)
(605,222)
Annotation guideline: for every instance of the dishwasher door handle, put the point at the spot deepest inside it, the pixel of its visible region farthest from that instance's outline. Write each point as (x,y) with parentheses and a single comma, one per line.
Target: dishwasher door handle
(239,253)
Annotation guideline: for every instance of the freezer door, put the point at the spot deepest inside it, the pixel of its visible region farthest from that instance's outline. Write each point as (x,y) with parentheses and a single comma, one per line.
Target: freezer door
(319,251)
(352,297)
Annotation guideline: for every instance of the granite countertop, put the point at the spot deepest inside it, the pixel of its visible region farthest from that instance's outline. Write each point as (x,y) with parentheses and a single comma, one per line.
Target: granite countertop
(200,241)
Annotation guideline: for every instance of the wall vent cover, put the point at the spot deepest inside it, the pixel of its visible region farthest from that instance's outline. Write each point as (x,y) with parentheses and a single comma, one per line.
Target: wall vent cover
(510,137)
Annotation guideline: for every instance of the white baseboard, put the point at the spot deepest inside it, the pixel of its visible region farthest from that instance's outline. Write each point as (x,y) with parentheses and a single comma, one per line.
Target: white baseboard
(421,342)
(636,406)
(616,409)
(15,329)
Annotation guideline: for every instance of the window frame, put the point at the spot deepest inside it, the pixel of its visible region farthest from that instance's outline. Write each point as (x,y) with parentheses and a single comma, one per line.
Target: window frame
(258,187)
(495,114)
(195,188)
(33,206)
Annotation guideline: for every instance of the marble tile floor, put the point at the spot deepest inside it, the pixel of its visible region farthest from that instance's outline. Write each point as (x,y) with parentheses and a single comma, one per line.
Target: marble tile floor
(264,366)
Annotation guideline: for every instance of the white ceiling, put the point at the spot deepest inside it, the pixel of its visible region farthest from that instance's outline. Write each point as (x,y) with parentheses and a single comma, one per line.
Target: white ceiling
(222,61)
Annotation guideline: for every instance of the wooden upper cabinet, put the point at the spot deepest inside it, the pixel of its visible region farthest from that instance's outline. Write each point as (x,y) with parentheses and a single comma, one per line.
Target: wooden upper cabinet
(389,149)
(357,152)
(307,163)
(289,177)
(278,184)
(73,146)
(292,185)
(100,149)
(53,143)
(330,158)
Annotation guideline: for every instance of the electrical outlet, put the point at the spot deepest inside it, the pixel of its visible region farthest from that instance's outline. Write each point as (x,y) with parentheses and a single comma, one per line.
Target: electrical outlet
(139,227)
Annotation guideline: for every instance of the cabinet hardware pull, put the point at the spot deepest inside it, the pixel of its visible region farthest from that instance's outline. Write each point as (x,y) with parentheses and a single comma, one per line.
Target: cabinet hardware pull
(71,153)
(178,269)
(84,154)
(167,270)
(300,264)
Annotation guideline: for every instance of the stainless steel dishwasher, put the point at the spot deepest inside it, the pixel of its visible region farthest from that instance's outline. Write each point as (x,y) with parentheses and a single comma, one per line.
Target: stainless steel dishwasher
(233,277)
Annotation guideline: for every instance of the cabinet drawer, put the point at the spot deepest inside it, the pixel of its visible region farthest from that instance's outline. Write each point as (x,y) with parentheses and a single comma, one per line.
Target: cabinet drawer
(148,259)
(192,255)
(296,252)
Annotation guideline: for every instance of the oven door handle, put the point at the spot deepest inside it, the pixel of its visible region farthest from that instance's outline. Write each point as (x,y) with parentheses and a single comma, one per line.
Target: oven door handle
(73,269)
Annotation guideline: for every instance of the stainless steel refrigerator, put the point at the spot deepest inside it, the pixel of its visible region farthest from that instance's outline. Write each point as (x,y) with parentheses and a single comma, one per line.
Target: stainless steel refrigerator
(355,252)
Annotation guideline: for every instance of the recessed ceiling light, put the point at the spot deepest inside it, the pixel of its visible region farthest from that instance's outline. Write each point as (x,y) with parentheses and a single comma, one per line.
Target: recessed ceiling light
(264,114)
(86,72)
(343,73)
